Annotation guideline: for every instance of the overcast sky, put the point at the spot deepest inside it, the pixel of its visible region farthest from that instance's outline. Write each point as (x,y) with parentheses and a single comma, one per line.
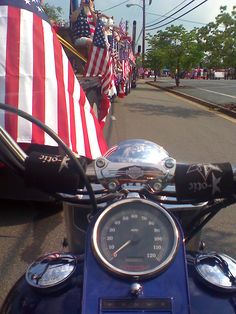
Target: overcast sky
(157,11)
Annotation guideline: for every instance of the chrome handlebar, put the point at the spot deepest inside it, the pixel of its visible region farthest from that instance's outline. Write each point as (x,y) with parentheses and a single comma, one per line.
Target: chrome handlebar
(112,172)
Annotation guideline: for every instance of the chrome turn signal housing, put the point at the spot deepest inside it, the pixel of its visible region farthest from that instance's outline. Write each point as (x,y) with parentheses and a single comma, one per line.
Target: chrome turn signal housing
(217,271)
(51,271)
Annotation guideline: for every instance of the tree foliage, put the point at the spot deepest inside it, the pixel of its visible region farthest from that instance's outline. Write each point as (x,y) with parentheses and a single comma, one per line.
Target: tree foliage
(211,46)
(176,48)
(218,40)
(54,13)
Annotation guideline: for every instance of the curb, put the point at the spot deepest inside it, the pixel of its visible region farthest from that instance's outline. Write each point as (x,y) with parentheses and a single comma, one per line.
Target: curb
(205,103)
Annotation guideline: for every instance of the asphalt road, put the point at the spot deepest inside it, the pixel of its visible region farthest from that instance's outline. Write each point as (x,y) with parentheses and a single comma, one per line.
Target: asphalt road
(186,130)
(216,91)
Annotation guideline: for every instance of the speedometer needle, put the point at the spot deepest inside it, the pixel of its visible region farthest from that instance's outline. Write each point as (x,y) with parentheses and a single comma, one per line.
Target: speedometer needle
(120,248)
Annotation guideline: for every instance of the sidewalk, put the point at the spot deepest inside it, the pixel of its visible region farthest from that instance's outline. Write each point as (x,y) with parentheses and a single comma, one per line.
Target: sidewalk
(184,91)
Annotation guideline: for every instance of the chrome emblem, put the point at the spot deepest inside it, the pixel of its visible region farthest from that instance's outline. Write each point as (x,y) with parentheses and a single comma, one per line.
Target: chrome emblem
(134,172)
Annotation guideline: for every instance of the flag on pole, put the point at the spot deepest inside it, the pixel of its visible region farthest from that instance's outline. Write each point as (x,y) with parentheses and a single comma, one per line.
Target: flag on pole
(122,28)
(36,76)
(81,26)
(100,64)
(91,22)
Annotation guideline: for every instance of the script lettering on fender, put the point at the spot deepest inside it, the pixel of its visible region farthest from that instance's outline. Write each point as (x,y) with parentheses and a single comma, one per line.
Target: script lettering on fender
(209,180)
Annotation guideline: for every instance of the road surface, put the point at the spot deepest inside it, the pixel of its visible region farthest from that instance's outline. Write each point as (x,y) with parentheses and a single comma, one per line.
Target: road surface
(220,92)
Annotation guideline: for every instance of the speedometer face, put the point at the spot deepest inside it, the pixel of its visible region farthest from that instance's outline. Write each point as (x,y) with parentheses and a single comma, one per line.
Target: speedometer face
(135,237)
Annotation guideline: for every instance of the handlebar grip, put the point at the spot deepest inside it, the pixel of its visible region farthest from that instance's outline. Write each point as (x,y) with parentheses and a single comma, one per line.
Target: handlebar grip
(202,182)
(52,173)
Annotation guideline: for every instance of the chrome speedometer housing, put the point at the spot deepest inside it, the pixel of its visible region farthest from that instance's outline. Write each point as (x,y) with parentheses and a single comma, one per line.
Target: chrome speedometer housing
(135,238)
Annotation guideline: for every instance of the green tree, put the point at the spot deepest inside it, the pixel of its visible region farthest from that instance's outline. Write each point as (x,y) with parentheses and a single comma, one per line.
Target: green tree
(218,40)
(154,60)
(177,48)
(212,46)
(54,13)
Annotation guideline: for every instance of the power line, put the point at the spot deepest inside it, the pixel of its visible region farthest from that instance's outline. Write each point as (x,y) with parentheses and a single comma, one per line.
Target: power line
(183,20)
(178,16)
(171,14)
(188,21)
(175,7)
(116,6)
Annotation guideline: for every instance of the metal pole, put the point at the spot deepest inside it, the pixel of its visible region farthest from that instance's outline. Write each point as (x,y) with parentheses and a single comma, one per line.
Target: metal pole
(74,4)
(144,25)
(126,26)
(134,36)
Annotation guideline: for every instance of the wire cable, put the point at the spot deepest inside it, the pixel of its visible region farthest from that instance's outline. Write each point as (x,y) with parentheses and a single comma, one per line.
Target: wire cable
(171,14)
(187,21)
(175,7)
(150,29)
(115,6)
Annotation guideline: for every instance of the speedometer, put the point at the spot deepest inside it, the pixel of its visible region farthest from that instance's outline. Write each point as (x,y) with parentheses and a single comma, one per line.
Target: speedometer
(135,237)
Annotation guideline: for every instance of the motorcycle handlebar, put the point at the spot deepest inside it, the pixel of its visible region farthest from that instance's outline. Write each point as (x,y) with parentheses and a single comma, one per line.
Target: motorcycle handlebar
(193,182)
(202,182)
(53,173)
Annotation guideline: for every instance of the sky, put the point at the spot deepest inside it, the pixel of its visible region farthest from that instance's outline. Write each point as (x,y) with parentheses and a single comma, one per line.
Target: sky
(157,11)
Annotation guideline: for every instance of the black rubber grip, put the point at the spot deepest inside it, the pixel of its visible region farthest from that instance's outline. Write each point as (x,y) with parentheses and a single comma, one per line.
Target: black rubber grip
(52,173)
(202,182)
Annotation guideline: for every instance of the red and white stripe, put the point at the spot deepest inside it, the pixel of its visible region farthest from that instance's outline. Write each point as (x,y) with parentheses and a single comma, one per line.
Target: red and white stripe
(91,22)
(125,69)
(100,64)
(36,76)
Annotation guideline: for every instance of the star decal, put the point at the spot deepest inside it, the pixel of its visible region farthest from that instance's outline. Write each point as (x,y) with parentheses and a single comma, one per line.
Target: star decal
(64,163)
(215,182)
(204,170)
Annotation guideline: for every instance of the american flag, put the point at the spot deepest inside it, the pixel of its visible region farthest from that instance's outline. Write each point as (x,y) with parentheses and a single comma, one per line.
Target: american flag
(132,57)
(100,64)
(91,23)
(90,17)
(113,46)
(125,69)
(36,76)
(122,28)
(81,27)
(124,50)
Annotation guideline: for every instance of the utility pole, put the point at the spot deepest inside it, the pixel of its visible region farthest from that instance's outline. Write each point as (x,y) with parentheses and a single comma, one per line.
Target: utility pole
(143,7)
(126,26)
(144,25)
(134,36)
